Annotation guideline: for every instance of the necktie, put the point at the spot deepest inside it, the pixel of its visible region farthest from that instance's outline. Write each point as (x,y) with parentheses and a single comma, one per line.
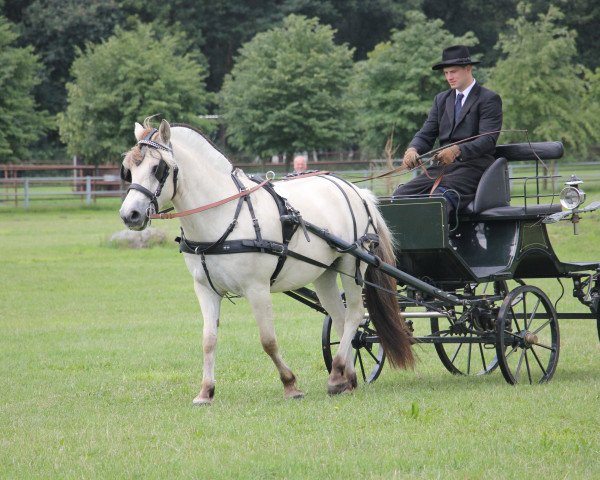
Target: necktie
(457,106)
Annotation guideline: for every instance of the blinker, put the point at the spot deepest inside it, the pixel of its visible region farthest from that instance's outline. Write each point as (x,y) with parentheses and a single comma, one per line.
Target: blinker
(125,174)
(161,172)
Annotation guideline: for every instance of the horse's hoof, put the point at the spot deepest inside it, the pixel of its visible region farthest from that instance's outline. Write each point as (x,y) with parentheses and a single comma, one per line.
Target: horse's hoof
(297,395)
(201,402)
(339,388)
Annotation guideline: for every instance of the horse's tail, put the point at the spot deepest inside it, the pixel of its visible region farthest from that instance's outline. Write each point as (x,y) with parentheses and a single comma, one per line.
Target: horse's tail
(382,303)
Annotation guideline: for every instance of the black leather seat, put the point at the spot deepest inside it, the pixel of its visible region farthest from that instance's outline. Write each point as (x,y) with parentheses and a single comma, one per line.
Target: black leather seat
(493,189)
(492,199)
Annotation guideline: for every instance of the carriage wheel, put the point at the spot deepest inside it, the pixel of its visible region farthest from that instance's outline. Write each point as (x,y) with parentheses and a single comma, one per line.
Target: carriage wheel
(468,358)
(528,338)
(369,356)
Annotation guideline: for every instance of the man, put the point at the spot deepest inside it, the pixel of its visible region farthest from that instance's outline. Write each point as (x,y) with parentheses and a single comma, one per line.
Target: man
(465,110)
(300,164)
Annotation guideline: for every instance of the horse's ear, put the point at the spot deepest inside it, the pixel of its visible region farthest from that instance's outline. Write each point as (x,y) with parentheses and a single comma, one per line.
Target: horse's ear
(165,131)
(139,131)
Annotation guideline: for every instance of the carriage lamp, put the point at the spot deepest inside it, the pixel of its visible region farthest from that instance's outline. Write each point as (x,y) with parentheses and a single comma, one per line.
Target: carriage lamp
(572,195)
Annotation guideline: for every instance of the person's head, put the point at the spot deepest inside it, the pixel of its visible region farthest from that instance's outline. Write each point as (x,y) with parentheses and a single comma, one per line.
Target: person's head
(457,66)
(459,77)
(300,163)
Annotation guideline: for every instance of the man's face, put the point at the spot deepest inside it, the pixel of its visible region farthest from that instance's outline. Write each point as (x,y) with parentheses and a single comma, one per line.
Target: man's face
(458,77)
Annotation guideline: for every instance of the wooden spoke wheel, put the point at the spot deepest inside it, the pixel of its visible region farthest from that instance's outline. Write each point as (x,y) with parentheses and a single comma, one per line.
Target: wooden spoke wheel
(528,338)
(369,356)
(470,356)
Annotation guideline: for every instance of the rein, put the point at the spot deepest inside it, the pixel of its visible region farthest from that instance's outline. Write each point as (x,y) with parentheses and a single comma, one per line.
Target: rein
(402,170)
(243,193)
(184,213)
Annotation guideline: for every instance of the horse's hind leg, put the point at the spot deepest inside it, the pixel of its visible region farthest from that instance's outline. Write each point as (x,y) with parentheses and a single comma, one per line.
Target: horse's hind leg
(210,304)
(346,320)
(262,308)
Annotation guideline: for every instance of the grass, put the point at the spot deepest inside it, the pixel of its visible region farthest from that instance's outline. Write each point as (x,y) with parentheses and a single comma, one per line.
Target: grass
(100,356)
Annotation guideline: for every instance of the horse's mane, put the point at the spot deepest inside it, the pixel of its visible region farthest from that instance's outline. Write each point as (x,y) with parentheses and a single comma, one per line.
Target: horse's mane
(203,137)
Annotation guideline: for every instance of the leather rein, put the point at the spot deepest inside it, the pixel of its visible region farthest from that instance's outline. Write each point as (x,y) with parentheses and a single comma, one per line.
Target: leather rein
(240,194)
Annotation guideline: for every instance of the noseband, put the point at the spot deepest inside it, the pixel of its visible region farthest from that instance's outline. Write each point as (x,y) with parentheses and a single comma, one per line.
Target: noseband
(161,174)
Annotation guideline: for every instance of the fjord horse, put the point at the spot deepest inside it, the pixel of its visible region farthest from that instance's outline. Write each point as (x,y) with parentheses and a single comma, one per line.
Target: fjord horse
(239,245)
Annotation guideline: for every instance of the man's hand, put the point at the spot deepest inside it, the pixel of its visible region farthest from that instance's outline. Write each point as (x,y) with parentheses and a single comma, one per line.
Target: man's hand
(411,158)
(447,155)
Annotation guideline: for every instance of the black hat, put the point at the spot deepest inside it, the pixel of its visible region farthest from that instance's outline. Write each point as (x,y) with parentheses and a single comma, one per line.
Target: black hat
(456,55)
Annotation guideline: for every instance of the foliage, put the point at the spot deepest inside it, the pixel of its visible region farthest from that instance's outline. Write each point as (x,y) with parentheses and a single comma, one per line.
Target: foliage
(218,28)
(132,75)
(543,90)
(583,16)
(361,24)
(485,19)
(286,91)
(394,88)
(56,28)
(20,123)
(488,19)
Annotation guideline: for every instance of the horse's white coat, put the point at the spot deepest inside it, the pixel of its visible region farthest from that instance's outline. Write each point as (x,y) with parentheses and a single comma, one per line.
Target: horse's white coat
(204,177)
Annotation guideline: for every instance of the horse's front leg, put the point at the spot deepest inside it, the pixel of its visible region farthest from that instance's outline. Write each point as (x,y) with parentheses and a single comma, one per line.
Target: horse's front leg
(262,308)
(210,305)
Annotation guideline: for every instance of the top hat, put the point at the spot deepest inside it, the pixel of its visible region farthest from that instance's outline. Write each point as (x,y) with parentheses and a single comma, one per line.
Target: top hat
(455,55)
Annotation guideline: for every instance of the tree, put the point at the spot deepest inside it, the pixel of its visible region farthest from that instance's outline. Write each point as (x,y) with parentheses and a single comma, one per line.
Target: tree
(484,19)
(20,123)
(359,23)
(132,75)
(286,91)
(393,89)
(543,90)
(583,16)
(218,28)
(56,28)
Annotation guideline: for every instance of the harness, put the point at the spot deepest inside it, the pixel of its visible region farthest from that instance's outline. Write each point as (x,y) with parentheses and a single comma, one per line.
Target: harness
(291,219)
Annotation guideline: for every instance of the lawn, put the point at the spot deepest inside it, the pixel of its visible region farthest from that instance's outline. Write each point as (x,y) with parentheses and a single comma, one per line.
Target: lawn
(100,357)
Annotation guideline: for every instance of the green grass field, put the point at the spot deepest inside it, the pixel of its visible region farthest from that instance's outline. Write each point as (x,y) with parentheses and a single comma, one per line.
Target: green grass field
(100,357)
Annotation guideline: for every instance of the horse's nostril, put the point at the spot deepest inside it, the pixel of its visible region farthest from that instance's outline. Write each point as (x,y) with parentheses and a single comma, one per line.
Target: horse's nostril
(134,216)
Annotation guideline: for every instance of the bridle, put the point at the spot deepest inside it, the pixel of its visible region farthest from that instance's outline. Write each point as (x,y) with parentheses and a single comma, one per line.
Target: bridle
(161,173)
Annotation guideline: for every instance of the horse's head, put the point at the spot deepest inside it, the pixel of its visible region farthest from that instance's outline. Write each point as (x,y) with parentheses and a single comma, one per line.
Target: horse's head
(148,167)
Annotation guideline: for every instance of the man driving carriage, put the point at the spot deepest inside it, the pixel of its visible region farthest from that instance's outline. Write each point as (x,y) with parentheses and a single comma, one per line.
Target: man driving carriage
(466,110)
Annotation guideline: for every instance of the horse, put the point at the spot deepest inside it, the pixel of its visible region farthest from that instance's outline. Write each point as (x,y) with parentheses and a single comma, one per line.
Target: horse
(240,243)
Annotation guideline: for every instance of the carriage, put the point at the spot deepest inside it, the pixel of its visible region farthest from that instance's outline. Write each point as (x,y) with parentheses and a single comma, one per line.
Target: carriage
(455,275)
(452,272)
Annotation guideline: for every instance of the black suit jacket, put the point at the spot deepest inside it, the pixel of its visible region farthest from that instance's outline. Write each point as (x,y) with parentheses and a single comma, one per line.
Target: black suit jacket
(481,112)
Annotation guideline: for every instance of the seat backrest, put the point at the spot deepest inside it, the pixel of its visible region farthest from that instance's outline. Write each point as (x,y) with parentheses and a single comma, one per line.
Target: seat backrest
(493,189)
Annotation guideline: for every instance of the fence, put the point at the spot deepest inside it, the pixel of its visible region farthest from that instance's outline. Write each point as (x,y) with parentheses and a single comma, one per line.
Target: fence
(22,185)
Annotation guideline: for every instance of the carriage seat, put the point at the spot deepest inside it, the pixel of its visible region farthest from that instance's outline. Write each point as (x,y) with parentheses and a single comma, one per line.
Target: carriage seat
(493,189)
(492,198)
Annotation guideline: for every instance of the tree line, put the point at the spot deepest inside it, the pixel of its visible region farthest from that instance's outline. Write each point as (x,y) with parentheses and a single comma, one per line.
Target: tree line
(284,76)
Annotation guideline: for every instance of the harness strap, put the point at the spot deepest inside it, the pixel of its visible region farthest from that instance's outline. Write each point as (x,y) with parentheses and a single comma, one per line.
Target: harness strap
(166,216)
(289,224)
(242,246)
(242,188)
(291,220)
(203,260)
(357,274)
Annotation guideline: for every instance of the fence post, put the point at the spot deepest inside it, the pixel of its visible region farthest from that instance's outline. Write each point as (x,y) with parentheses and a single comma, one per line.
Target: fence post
(88,190)
(26,192)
